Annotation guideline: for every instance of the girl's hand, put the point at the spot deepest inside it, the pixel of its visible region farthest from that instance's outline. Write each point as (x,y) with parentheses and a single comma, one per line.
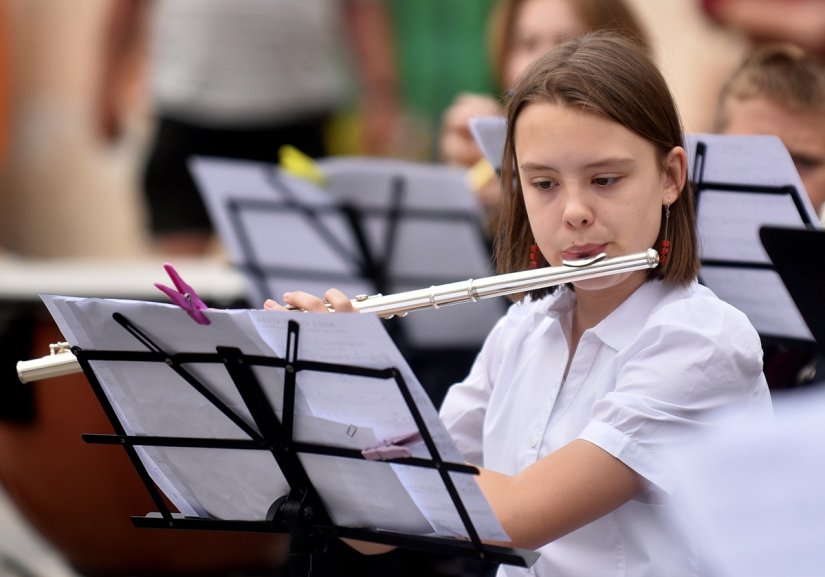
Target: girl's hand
(333,298)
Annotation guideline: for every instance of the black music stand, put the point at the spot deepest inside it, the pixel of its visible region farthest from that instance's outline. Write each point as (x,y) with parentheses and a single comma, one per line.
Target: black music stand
(798,255)
(301,511)
(732,203)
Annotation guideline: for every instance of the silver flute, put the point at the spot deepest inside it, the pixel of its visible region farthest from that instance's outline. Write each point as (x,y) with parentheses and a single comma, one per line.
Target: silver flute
(61,361)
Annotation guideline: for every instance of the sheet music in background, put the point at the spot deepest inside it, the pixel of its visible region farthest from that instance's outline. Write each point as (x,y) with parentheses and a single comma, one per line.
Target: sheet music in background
(490,133)
(151,399)
(438,239)
(282,235)
(421,222)
(729,221)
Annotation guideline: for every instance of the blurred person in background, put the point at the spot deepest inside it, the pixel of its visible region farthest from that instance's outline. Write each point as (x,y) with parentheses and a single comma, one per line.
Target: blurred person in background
(779,89)
(800,22)
(240,79)
(520,31)
(5,86)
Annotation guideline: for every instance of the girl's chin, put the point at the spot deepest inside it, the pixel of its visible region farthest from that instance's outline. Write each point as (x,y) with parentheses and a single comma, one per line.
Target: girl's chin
(602,283)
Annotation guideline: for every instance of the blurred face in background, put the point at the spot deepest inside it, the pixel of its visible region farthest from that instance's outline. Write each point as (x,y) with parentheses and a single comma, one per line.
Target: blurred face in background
(539,26)
(802,132)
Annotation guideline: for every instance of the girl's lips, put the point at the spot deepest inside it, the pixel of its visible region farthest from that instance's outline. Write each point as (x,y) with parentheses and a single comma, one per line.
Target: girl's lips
(582,251)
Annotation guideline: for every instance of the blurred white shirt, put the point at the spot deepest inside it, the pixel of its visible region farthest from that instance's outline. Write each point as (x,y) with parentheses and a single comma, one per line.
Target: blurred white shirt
(220,61)
(755,493)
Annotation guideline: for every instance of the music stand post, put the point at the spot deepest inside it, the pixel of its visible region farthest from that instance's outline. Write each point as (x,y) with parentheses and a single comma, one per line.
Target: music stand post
(301,512)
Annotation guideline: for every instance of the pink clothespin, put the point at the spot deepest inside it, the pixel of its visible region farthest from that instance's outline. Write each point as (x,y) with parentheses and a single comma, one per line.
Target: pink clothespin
(395,448)
(185,296)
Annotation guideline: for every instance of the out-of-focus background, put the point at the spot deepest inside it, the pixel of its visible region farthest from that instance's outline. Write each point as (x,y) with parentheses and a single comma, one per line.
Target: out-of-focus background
(64,192)
(67,193)
(58,181)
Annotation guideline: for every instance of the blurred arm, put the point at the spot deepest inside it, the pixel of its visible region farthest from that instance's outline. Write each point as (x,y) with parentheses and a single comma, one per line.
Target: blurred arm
(5,82)
(121,36)
(370,29)
(801,22)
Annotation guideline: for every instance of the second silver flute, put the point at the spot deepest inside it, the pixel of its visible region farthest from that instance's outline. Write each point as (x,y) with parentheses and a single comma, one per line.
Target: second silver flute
(63,362)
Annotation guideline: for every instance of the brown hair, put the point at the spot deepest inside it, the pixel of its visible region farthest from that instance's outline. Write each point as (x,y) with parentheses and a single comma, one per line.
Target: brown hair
(783,73)
(594,14)
(604,74)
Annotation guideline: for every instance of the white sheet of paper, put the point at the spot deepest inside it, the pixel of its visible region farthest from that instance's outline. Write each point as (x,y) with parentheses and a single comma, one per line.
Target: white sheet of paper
(727,234)
(427,490)
(745,159)
(361,340)
(729,221)
(759,294)
(357,493)
(437,239)
(354,412)
(490,132)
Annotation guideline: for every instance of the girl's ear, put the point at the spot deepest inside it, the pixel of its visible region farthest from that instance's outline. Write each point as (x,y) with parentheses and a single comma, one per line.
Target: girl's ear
(674,175)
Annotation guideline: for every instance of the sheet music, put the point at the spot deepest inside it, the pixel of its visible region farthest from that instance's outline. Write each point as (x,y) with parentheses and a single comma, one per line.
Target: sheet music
(729,220)
(421,226)
(728,235)
(344,411)
(490,133)
(750,290)
(266,219)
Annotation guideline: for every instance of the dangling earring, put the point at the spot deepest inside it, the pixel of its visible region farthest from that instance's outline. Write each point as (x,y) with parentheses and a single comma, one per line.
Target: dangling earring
(534,256)
(664,246)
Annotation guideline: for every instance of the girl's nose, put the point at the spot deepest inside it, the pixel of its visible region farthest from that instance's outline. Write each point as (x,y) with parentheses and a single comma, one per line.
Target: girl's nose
(577,212)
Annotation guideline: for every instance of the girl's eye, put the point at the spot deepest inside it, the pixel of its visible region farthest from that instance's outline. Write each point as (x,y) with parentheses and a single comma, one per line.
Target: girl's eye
(542,184)
(605,180)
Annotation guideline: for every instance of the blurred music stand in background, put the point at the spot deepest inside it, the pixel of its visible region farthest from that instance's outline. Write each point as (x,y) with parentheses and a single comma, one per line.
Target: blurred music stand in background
(374,226)
(743,183)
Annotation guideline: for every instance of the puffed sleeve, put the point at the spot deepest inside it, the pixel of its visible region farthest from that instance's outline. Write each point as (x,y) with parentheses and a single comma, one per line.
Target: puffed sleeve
(692,359)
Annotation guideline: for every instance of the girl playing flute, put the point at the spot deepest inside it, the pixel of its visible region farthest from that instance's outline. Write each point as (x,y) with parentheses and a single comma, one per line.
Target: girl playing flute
(581,395)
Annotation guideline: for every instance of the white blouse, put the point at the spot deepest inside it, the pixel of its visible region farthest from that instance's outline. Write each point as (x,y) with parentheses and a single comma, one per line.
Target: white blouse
(642,381)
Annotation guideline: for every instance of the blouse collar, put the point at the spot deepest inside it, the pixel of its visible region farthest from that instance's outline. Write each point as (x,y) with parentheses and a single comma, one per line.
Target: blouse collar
(621,326)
